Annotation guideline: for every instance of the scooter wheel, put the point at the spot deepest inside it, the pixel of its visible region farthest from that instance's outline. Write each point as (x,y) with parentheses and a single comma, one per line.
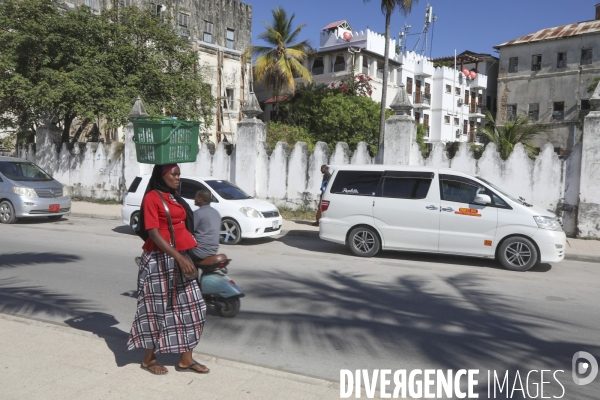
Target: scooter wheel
(229,307)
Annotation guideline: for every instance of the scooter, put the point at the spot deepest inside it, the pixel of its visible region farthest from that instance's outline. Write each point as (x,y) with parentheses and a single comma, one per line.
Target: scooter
(219,292)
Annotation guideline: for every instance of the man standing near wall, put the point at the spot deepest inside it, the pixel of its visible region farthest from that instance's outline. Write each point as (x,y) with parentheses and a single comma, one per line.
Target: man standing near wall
(326,177)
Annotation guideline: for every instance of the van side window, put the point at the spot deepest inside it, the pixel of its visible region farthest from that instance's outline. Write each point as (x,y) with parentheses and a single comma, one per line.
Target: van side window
(361,183)
(405,188)
(459,192)
(189,188)
(134,185)
(498,201)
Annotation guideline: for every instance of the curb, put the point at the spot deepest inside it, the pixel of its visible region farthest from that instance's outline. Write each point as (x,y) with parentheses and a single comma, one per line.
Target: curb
(96,216)
(582,257)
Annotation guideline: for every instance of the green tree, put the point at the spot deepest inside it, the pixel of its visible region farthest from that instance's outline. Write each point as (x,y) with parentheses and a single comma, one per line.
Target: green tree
(420,139)
(281,61)
(290,134)
(61,66)
(506,136)
(592,86)
(387,8)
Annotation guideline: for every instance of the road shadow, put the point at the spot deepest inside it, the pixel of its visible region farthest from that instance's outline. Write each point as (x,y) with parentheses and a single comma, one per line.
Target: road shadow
(302,222)
(39,220)
(13,260)
(124,229)
(387,257)
(407,320)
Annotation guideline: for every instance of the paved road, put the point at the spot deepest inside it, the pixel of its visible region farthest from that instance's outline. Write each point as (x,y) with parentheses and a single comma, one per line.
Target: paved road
(312,308)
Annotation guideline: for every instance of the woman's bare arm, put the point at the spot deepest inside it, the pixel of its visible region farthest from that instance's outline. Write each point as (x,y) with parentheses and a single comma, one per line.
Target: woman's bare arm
(184,262)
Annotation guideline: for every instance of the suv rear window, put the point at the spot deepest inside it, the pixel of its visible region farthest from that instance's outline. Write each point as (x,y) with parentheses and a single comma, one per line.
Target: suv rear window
(360,183)
(134,185)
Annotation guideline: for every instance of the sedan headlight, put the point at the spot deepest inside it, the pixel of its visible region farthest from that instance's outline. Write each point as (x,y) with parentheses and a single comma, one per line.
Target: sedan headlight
(66,191)
(550,223)
(24,191)
(250,212)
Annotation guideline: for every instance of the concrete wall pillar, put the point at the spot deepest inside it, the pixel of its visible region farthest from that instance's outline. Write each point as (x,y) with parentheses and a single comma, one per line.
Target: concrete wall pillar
(249,149)
(47,142)
(588,218)
(327,67)
(400,131)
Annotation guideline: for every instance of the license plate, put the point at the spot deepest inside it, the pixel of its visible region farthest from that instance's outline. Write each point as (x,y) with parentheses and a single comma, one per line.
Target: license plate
(54,207)
(275,225)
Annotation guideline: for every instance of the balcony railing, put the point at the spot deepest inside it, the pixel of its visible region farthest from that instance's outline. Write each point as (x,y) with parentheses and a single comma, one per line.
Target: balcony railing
(365,70)
(339,67)
(318,70)
(422,98)
(475,109)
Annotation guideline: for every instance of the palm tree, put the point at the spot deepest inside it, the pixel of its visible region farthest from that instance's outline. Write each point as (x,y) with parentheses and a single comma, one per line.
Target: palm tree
(387,8)
(281,62)
(506,136)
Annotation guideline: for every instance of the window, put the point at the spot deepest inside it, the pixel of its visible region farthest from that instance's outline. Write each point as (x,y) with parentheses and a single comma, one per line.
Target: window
(427,88)
(318,66)
(23,171)
(536,62)
(339,64)
(513,64)
(95,6)
(228,102)
(460,192)
(446,119)
(134,185)
(230,38)
(361,183)
(561,60)
(467,96)
(448,89)
(584,105)
(126,3)
(365,65)
(511,112)
(558,111)
(417,116)
(534,112)
(189,188)
(405,187)
(208,32)
(456,121)
(586,56)
(457,91)
(183,19)
(426,121)
(409,85)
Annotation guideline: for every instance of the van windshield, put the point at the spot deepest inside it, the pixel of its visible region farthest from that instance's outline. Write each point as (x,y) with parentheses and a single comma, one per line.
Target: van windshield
(23,171)
(502,192)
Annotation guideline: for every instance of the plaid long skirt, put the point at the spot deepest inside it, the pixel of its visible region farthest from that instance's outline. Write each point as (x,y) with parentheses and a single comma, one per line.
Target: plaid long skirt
(166,326)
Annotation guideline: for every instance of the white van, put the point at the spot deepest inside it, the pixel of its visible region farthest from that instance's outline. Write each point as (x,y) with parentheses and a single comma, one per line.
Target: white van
(390,207)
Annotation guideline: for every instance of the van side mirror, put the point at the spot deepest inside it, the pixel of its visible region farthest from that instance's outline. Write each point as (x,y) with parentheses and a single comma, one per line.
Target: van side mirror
(482,199)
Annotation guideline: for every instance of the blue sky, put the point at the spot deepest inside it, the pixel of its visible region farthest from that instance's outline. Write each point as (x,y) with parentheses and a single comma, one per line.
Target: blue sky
(464,25)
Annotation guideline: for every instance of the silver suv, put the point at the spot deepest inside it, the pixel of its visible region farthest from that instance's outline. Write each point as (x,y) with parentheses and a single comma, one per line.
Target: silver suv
(27,191)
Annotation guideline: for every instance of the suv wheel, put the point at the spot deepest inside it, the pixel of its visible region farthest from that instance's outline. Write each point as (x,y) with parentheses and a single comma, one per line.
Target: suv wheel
(7,213)
(518,254)
(134,220)
(364,242)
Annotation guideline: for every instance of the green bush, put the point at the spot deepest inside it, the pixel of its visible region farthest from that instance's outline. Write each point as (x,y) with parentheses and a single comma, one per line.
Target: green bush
(280,132)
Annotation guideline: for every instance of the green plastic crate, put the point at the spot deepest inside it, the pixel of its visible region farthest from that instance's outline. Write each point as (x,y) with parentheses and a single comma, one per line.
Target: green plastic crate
(164,140)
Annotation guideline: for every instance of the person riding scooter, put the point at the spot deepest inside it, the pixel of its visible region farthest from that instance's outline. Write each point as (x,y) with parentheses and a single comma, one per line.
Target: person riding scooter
(207,227)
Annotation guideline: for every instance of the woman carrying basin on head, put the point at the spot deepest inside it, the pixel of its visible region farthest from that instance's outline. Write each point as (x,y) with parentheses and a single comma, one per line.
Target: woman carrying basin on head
(170,311)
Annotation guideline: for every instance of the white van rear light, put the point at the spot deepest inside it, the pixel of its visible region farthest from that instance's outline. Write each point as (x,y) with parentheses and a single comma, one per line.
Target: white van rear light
(324,205)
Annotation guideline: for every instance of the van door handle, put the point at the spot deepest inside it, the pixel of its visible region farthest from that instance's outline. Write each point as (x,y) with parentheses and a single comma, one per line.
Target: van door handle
(448,209)
(431,207)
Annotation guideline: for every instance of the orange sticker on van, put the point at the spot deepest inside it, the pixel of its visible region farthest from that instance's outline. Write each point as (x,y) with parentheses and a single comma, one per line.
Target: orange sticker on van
(473,212)
(487,242)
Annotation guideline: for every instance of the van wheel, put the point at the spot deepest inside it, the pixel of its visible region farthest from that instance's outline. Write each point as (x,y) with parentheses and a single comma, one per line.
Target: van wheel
(7,213)
(230,232)
(518,254)
(364,242)
(134,221)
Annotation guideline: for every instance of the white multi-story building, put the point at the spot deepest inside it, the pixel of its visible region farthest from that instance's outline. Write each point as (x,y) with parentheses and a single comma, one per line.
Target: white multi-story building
(448,103)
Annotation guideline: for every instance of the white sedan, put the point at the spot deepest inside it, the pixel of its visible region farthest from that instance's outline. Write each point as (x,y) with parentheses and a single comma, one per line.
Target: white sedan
(242,216)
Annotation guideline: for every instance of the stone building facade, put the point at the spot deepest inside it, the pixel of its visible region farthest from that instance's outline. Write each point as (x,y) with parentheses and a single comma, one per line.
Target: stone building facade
(546,75)
(220,31)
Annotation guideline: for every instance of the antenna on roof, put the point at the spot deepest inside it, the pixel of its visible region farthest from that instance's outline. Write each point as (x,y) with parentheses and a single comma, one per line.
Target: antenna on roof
(429,17)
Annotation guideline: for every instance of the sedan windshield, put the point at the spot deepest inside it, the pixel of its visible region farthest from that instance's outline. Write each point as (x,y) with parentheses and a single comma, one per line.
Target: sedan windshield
(228,190)
(23,171)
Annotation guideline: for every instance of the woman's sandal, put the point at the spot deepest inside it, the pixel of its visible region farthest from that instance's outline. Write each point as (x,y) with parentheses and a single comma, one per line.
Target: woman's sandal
(153,363)
(190,369)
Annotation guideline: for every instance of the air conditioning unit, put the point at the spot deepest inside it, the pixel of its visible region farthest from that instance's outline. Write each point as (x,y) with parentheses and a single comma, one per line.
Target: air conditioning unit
(460,102)
(458,133)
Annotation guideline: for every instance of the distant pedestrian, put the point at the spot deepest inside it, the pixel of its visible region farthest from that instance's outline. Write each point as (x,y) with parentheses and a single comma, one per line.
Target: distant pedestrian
(170,311)
(326,178)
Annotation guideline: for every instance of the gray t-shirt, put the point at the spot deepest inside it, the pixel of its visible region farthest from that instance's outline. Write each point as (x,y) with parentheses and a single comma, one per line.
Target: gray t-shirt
(207,227)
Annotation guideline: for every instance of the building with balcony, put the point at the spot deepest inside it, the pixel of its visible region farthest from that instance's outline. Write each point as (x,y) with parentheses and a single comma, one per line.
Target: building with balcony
(545,75)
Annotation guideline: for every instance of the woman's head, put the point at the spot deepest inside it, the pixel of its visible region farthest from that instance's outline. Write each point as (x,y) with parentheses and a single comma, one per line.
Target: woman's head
(165,178)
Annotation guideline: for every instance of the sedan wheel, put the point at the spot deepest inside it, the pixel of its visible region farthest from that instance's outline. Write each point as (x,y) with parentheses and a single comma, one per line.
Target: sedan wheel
(518,254)
(364,242)
(7,213)
(230,232)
